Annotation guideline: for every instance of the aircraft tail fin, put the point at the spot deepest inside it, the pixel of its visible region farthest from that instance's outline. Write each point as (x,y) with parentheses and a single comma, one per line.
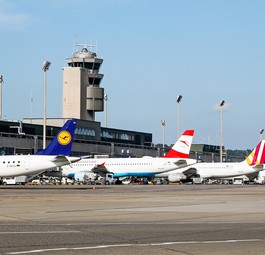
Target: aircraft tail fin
(257,156)
(62,142)
(181,148)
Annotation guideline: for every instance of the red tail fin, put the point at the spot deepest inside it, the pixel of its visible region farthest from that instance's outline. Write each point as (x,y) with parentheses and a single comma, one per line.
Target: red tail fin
(181,149)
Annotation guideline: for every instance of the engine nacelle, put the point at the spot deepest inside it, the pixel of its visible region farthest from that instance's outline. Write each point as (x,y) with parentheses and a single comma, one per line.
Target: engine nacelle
(176,177)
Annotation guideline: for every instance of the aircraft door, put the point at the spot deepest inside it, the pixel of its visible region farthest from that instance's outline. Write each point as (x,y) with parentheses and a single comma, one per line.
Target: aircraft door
(27,162)
(160,165)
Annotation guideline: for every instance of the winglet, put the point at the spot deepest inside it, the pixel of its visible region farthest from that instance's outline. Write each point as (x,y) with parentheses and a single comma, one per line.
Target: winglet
(62,142)
(257,156)
(181,149)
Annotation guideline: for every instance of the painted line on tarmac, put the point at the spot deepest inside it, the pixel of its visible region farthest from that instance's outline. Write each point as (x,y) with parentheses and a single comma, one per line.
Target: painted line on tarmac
(133,245)
(38,232)
(131,223)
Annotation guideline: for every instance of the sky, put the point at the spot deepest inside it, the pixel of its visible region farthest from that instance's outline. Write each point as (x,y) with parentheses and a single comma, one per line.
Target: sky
(153,51)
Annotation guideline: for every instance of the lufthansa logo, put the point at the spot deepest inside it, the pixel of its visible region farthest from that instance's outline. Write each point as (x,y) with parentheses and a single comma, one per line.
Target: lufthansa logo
(64,137)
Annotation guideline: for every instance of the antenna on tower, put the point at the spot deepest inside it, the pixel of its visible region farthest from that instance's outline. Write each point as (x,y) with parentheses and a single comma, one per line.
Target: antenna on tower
(84,45)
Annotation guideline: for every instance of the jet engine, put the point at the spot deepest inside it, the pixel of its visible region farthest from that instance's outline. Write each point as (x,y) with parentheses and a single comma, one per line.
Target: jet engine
(176,177)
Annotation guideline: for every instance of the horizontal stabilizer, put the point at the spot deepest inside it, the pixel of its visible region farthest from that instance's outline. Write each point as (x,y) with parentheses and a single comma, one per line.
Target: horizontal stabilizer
(100,169)
(190,172)
(180,163)
(63,160)
(60,159)
(259,167)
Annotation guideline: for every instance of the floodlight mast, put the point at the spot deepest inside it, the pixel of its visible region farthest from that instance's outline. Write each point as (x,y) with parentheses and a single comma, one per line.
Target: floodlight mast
(179,97)
(221,127)
(45,68)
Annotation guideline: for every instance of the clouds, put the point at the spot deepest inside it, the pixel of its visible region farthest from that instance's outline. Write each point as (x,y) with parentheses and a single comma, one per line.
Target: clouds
(11,18)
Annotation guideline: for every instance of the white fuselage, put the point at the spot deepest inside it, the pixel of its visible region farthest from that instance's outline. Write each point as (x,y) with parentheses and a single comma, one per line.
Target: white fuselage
(217,170)
(121,167)
(17,165)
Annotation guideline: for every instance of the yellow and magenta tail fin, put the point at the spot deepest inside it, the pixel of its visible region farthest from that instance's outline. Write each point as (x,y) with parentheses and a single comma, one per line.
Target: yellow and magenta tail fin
(257,156)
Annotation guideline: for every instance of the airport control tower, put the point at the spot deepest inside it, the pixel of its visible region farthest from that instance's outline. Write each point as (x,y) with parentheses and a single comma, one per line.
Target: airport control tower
(82,95)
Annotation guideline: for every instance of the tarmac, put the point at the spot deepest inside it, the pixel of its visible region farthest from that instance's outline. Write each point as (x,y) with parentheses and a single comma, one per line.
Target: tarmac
(133,219)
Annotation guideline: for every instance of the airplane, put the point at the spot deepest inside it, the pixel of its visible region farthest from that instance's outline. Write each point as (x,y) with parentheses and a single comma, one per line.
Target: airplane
(55,155)
(177,157)
(252,164)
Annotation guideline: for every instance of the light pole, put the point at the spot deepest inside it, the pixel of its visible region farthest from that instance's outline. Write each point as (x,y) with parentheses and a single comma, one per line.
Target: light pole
(178,101)
(1,110)
(106,109)
(163,122)
(260,133)
(221,127)
(45,68)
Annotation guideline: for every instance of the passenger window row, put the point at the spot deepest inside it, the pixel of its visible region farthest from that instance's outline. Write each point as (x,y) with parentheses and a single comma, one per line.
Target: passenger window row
(9,162)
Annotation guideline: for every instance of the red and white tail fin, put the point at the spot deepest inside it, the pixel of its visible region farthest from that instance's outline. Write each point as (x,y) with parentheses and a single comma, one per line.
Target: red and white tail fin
(181,149)
(257,156)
